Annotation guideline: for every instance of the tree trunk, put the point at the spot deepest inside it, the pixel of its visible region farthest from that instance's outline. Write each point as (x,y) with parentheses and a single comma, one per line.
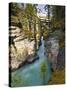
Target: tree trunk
(35,45)
(48,16)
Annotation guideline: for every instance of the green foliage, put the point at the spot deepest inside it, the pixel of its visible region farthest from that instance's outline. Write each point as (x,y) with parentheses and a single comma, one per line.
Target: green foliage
(43,70)
(58,16)
(17,81)
(14,19)
(46,32)
(62,42)
(26,18)
(30,9)
(14,9)
(43,67)
(29,34)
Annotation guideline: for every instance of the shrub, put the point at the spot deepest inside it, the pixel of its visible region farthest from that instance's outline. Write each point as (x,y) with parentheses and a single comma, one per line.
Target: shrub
(43,70)
(17,81)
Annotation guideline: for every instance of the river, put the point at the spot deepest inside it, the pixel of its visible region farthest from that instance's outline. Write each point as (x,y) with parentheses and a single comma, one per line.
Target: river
(30,75)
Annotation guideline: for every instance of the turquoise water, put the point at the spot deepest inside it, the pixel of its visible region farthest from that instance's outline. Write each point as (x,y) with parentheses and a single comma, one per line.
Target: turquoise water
(30,75)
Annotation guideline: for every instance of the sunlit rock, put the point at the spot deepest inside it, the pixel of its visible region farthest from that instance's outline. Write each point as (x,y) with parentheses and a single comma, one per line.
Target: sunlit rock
(21,50)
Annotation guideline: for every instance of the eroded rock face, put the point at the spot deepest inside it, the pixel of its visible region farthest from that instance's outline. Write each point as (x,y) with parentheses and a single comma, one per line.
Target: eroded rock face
(24,49)
(20,49)
(52,46)
(18,57)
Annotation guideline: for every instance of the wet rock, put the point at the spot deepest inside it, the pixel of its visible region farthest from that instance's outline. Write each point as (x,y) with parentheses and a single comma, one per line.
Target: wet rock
(52,49)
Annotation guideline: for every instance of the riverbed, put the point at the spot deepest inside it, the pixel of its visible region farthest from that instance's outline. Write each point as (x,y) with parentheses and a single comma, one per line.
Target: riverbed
(30,74)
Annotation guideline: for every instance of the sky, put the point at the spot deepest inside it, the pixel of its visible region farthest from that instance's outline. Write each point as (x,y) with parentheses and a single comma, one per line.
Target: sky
(41,10)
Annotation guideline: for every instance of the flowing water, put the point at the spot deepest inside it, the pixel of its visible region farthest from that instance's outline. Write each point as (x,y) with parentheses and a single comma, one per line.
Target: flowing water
(31,75)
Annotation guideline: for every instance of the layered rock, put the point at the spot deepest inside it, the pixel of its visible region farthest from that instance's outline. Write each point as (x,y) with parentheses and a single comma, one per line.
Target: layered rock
(24,51)
(18,58)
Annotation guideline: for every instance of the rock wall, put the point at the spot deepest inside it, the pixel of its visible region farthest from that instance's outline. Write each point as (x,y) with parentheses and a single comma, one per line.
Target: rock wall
(61,59)
(55,48)
(52,49)
(20,49)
